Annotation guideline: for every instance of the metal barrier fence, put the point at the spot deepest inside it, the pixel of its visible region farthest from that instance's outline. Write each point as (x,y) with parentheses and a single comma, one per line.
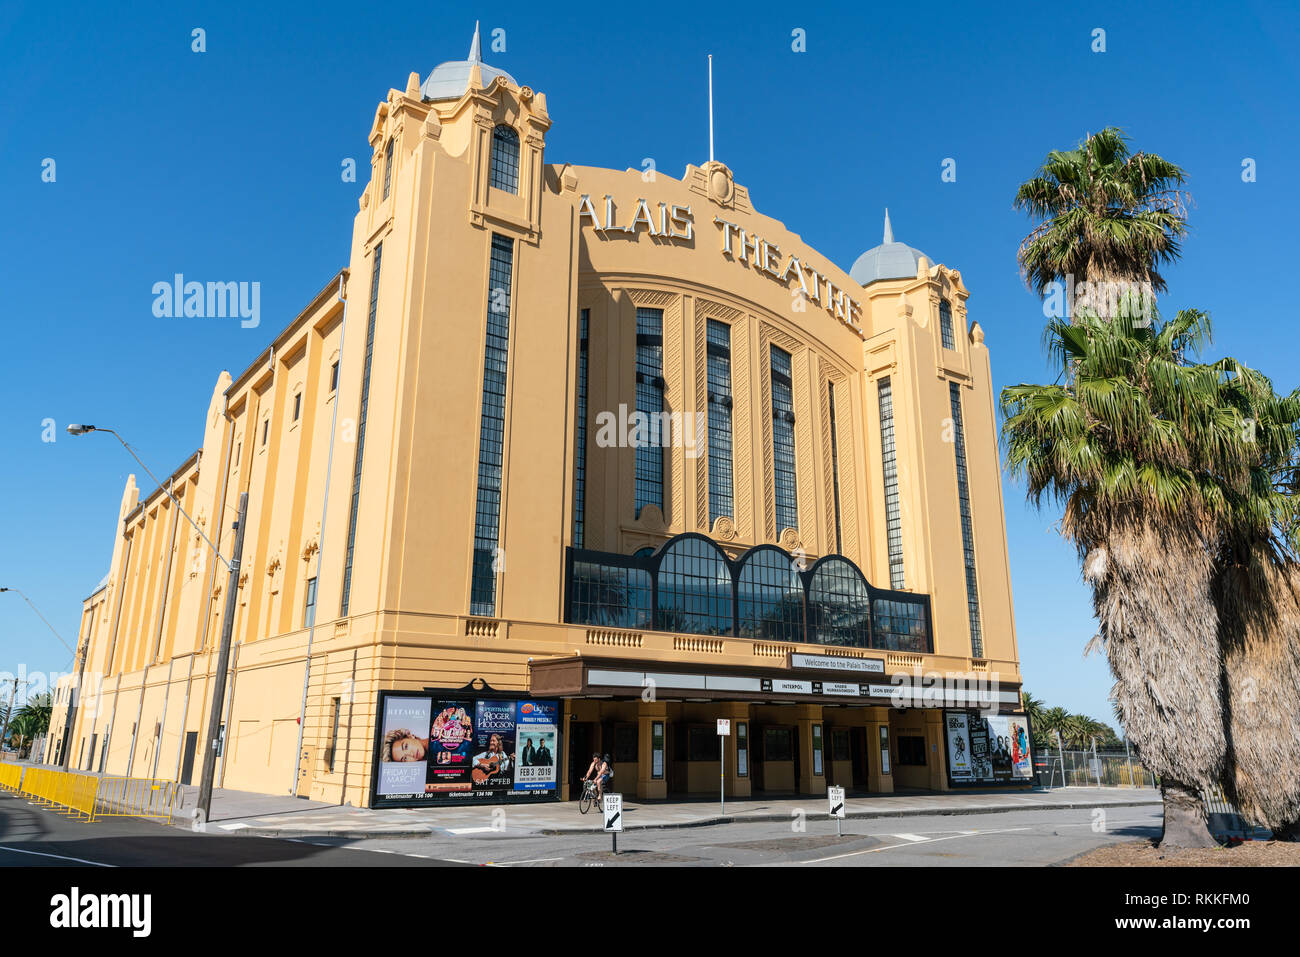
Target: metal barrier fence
(91,797)
(75,793)
(11,777)
(1053,768)
(138,797)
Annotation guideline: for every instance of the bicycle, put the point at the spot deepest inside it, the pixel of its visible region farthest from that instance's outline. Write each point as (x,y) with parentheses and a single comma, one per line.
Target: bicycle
(588,798)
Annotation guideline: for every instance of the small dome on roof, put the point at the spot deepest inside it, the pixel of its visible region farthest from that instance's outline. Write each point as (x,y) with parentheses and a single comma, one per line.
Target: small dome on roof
(889,260)
(450,80)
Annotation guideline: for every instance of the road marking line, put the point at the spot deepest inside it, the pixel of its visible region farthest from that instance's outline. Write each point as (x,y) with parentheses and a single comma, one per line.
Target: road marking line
(911,837)
(890,847)
(535,860)
(470,830)
(18,850)
(232,827)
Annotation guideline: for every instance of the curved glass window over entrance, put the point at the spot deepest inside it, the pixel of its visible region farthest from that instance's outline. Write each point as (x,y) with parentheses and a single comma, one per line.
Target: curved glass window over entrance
(769,596)
(690,586)
(839,606)
(694,588)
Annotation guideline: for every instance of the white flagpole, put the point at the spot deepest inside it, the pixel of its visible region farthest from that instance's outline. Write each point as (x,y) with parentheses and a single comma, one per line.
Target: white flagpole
(710,107)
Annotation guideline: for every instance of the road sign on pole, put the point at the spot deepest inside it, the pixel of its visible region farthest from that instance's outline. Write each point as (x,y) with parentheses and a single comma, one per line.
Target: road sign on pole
(724,729)
(835,802)
(613,816)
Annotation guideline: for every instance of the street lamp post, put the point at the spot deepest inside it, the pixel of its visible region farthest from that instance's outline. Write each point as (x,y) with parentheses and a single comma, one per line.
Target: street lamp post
(204,806)
(223,662)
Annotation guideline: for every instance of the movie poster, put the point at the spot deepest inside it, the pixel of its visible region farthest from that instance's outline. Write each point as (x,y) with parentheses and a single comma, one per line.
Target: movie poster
(494,745)
(404,745)
(451,745)
(537,738)
(959,756)
(1009,735)
(998,746)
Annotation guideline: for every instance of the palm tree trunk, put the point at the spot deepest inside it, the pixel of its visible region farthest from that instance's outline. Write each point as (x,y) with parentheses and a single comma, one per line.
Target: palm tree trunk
(1185,822)
(1152,595)
(1259,614)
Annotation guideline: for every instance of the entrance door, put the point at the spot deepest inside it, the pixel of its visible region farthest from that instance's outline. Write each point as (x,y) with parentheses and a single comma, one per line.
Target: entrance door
(187,766)
(581,746)
(858,755)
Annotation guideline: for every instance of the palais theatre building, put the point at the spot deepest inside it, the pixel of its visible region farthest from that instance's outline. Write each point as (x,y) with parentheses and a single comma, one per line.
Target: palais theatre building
(571,460)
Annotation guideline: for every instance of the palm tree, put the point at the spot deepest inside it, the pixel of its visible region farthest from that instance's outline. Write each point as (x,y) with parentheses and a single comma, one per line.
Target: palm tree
(1156,461)
(1054,721)
(30,721)
(1107,215)
(1033,708)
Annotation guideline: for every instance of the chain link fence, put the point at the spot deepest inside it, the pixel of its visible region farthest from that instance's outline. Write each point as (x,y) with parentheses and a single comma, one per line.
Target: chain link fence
(1089,769)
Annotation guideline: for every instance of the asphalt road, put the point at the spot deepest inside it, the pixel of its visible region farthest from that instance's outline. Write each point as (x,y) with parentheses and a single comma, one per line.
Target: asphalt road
(33,836)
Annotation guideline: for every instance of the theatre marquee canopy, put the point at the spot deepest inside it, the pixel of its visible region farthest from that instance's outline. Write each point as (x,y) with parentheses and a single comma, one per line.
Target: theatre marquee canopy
(804,679)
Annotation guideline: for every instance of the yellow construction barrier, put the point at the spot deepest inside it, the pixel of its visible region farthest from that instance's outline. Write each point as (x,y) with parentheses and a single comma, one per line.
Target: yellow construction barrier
(75,793)
(90,797)
(11,776)
(138,797)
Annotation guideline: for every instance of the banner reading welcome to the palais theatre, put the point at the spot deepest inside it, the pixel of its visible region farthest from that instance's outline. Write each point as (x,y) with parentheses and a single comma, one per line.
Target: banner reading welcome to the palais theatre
(987,749)
(432,748)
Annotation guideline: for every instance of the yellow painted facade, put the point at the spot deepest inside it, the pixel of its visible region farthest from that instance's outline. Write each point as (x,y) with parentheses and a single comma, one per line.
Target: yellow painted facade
(409,335)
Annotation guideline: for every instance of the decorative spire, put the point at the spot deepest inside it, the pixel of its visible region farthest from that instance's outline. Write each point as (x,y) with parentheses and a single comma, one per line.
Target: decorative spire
(475,51)
(889,230)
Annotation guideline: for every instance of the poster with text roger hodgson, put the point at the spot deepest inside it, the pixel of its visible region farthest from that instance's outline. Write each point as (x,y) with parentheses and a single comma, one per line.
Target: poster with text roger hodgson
(493,763)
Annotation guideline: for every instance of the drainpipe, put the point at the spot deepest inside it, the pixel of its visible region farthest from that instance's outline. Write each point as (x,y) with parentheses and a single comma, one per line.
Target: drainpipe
(320,552)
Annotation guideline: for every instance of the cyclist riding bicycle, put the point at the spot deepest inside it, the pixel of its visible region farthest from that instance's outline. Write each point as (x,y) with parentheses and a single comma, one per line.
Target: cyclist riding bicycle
(604,775)
(592,768)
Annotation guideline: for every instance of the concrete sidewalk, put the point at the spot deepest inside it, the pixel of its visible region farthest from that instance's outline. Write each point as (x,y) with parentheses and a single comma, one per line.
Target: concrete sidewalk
(237,812)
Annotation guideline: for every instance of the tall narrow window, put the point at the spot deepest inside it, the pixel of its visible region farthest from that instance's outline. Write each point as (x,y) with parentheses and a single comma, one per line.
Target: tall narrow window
(967,531)
(359,455)
(718,347)
(504,173)
(334,376)
(835,463)
(388,168)
(492,422)
(889,463)
(580,442)
(309,604)
(650,401)
(297,406)
(945,325)
(787,506)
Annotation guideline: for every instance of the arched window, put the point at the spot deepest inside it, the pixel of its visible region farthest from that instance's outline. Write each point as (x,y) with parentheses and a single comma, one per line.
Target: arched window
(694,587)
(839,607)
(504,173)
(769,596)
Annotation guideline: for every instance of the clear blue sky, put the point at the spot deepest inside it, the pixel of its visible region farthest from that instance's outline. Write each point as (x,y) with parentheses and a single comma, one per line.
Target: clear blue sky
(226,165)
